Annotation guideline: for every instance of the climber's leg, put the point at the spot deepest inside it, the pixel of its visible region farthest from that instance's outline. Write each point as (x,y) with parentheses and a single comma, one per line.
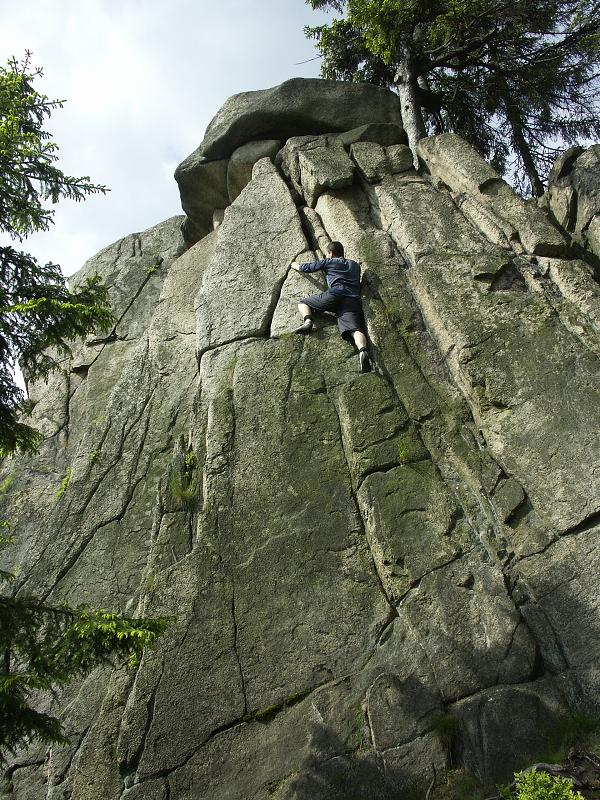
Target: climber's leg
(306,312)
(360,340)
(317,302)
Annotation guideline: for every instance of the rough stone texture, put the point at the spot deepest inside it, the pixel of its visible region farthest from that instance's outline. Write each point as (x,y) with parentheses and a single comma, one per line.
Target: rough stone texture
(239,170)
(573,195)
(453,162)
(383,133)
(297,106)
(203,188)
(324,168)
(361,562)
(262,232)
(375,161)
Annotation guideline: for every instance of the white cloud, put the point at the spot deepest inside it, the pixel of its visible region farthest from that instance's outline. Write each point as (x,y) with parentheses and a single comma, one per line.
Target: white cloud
(143,79)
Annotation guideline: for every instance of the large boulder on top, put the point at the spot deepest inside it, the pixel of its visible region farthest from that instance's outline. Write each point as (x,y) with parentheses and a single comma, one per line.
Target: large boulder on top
(300,105)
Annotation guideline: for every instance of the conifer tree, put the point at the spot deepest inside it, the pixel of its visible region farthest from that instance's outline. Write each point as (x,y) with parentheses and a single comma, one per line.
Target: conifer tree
(520,79)
(42,646)
(38,313)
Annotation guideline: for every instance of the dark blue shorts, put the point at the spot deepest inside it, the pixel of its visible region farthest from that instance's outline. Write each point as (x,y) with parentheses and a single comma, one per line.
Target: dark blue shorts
(348,310)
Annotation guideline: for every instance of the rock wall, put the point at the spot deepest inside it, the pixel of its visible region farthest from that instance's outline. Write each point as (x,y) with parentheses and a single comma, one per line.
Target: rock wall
(355,564)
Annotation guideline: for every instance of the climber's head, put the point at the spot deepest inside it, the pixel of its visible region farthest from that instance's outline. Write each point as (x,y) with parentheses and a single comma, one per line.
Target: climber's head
(335,250)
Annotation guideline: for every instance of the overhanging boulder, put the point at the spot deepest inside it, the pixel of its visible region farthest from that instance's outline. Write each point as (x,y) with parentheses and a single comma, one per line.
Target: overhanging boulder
(297,106)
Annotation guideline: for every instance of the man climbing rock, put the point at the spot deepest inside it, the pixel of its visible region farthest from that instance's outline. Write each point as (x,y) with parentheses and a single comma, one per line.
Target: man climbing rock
(342,298)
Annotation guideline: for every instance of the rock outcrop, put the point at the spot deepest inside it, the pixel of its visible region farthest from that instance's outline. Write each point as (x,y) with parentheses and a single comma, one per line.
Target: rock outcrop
(573,196)
(372,577)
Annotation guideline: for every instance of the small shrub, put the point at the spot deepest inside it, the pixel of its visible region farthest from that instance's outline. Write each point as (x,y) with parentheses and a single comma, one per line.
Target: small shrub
(534,785)
(184,486)
(64,484)
(94,456)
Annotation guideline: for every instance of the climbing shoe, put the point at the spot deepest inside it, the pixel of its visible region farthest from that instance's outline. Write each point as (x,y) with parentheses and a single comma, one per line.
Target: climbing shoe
(364,361)
(306,326)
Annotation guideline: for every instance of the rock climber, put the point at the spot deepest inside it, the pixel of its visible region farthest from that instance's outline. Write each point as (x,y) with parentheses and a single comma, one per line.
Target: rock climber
(342,298)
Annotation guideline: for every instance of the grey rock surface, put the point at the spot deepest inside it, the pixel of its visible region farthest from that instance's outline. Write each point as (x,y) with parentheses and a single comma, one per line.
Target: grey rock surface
(356,564)
(573,195)
(375,161)
(202,188)
(324,168)
(297,106)
(239,169)
(451,160)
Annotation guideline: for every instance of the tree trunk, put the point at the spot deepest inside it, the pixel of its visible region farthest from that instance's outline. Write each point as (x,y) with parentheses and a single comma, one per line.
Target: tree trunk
(410,106)
(520,144)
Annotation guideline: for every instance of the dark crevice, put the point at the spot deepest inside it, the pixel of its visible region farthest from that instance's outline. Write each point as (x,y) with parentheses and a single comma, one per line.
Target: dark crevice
(10,771)
(131,764)
(265,327)
(416,583)
(380,469)
(522,603)
(588,524)
(386,630)
(112,335)
(235,647)
(358,510)
(253,336)
(76,555)
(260,716)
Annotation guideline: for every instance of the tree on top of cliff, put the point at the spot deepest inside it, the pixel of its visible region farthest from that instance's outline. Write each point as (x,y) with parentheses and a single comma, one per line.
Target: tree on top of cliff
(38,313)
(519,80)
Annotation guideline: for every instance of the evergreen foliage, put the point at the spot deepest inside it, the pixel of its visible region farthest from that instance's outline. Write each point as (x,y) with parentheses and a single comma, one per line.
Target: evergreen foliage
(519,80)
(38,313)
(534,785)
(42,646)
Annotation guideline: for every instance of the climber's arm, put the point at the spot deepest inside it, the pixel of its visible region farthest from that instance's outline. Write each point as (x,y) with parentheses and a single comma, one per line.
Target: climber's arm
(310,266)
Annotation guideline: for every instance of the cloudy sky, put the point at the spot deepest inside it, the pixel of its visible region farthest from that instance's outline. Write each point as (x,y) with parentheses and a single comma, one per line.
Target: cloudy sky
(143,78)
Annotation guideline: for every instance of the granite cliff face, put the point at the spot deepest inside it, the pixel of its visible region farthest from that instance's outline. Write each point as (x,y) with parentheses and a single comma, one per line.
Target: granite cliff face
(352,560)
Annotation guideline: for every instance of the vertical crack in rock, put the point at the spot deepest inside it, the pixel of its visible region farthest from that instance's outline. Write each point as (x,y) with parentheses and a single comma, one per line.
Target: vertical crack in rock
(235,646)
(358,512)
(131,763)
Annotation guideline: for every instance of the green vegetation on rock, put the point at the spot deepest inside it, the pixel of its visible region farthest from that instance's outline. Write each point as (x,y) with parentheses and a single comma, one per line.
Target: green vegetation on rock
(64,484)
(518,80)
(44,647)
(536,785)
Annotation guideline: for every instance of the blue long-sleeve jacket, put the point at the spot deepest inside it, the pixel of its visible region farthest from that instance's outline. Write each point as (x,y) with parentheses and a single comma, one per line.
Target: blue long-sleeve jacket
(342,274)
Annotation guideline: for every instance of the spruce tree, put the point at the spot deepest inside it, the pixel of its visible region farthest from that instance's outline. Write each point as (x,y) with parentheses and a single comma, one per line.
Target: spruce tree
(42,646)
(39,316)
(519,80)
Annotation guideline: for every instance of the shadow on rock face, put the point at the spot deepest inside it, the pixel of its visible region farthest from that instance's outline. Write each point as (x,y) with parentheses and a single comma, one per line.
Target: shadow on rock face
(328,774)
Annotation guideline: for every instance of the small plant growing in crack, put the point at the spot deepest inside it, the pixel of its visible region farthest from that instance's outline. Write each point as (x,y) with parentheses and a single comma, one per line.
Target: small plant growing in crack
(447,728)
(64,484)
(184,482)
(94,456)
(360,740)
